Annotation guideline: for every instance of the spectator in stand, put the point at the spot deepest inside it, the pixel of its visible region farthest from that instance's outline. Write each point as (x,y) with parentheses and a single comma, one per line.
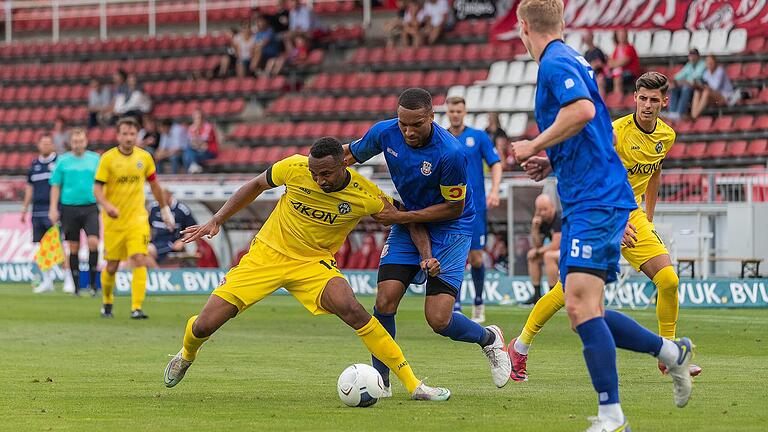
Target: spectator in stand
(243,44)
(685,81)
(596,58)
(438,17)
(301,22)
(394,28)
(413,21)
(266,47)
(60,135)
(164,241)
(279,21)
(498,136)
(226,65)
(119,87)
(624,63)
(149,135)
(716,89)
(546,224)
(133,103)
(297,56)
(202,144)
(99,98)
(173,141)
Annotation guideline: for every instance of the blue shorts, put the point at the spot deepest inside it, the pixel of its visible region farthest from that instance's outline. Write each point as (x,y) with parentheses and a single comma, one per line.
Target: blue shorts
(451,249)
(591,239)
(479,230)
(40,225)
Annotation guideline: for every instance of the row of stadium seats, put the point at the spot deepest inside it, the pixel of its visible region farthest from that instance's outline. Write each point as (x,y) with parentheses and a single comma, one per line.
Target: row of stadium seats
(373,82)
(295,106)
(158,90)
(432,57)
(663,43)
(146,69)
(137,13)
(245,159)
(296,133)
(723,124)
(720,150)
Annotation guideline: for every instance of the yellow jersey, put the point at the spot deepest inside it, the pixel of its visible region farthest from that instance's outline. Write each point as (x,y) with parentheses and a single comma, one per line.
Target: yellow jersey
(123,177)
(641,152)
(310,224)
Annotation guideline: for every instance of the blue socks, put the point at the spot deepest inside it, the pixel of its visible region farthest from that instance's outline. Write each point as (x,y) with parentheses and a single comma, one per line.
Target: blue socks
(630,335)
(388,322)
(478,278)
(463,329)
(600,355)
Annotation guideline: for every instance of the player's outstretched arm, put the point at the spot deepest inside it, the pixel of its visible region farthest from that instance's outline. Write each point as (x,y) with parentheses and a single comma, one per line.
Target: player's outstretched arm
(98,192)
(244,196)
(439,212)
(569,121)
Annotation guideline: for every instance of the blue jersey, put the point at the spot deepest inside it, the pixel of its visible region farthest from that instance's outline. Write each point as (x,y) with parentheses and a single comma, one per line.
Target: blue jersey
(38,176)
(589,172)
(479,148)
(424,176)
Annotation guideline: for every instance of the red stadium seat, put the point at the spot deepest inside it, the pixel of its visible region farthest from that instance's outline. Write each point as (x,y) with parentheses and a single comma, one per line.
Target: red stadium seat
(695,150)
(743,123)
(736,148)
(716,149)
(702,125)
(722,124)
(758,148)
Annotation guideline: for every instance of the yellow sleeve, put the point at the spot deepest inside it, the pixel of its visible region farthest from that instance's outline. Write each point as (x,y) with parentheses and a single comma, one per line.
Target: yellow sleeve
(102,171)
(281,171)
(454,193)
(149,164)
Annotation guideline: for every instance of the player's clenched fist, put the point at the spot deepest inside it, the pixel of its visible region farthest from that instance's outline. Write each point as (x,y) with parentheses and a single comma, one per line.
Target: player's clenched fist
(523,150)
(431,266)
(210,229)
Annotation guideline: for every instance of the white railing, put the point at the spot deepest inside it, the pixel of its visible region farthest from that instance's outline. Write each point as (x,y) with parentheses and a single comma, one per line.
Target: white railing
(56,10)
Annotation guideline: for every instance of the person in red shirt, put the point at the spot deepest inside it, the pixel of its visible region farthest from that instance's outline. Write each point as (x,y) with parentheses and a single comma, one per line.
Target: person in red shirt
(624,63)
(203,144)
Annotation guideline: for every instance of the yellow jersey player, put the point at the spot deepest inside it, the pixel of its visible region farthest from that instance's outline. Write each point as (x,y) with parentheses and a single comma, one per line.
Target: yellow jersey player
(642,140)
(119,190)
(323,202)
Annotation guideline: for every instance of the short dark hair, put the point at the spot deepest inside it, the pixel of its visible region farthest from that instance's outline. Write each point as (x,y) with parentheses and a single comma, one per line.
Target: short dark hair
(130,121)
(166,122)
(415,98)
(327,146)
(653,81)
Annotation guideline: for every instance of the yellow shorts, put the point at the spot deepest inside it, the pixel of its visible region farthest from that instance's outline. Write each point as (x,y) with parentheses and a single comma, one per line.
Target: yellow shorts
(264,270)
(121,245)
(648,245)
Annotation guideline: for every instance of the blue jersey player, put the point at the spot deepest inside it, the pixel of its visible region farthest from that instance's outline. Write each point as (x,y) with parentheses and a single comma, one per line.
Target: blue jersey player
(479,148)
(429,169)
(596,198)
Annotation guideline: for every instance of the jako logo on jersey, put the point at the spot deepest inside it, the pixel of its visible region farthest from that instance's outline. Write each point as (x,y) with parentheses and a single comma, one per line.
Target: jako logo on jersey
(128,179)
(345,208)
(305,190)
(426,168)
(470,142)
(314,213)
(644,168)
(659,147)
(392,152)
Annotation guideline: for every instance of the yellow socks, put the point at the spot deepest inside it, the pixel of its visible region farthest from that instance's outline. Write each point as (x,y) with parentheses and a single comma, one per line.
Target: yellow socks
(138,287)
(667,303)
(544,309)
(191,342)
(384,348)
(107,287)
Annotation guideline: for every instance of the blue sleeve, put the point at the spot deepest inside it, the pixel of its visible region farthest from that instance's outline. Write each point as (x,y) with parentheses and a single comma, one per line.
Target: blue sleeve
(368,146)
(564,81)
(453,176)
(488,149)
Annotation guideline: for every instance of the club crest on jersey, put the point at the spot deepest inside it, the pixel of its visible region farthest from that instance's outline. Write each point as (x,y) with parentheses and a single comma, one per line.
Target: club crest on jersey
(426,168)
(659,147)
(139,164)
(470,142)
(345,208)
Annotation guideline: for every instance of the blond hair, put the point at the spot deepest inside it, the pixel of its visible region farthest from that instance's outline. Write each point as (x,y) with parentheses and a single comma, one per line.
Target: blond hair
(453,100)
(542,16)
(78,131)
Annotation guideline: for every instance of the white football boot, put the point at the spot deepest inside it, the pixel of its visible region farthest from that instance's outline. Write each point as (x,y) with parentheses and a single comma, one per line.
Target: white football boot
(501,365)
(680,371)
(425,392)
(603,425)
(175,370)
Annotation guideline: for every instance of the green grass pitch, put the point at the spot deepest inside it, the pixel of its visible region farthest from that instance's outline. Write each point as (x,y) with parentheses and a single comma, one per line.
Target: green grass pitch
(63,368)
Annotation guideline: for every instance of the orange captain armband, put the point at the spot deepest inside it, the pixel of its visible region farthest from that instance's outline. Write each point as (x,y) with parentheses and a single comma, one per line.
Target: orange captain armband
(454,193)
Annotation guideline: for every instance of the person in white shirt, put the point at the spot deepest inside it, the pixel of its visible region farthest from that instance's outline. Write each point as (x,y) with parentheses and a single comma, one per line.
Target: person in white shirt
(717,89)
(173,141)
(438,15)
(135,102)
(244,44)
(413,21)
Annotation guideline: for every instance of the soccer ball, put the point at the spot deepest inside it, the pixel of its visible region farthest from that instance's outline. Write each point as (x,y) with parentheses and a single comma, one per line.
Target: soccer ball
(360,385)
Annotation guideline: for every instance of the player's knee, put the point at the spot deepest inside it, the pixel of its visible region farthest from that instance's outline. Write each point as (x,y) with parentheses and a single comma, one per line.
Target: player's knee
(354,314)
(476,258)
(138,260)
(666,280)
(438,321)
(93,243)
(386,305)
(203,327)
